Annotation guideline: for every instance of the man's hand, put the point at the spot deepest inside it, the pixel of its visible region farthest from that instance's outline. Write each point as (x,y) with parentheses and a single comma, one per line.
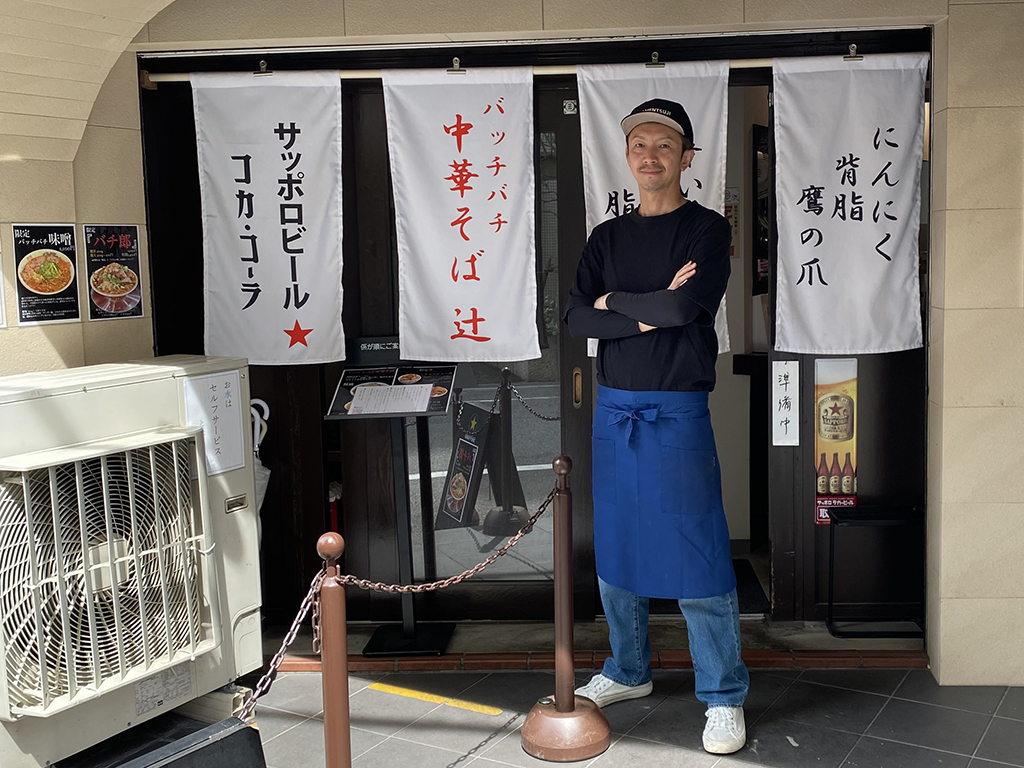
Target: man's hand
(602,302)
(688,270)
(644,327)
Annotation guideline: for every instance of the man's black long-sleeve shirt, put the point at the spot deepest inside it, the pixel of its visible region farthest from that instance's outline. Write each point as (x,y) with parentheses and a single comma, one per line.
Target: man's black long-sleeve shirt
(635,258)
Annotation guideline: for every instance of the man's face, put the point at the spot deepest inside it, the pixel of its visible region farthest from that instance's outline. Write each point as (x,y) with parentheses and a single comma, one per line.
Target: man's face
(656,157)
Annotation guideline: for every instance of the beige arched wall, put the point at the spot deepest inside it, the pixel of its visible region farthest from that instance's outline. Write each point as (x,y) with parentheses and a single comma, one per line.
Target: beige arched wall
(69,110)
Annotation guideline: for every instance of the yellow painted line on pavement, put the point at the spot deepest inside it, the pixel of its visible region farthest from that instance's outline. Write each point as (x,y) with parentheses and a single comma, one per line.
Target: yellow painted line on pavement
(409,693)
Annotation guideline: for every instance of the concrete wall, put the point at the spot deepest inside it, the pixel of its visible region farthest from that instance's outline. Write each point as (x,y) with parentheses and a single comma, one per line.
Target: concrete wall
(976,408)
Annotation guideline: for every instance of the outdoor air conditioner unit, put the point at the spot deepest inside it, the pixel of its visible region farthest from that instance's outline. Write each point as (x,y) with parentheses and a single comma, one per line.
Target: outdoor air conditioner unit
(129,567)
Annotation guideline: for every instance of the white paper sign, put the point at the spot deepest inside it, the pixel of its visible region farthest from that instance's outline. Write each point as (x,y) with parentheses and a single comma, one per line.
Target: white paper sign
(461,149)
(270,176)
(849,137)
(213,402)
(785,402)
(407,398)
(609,92)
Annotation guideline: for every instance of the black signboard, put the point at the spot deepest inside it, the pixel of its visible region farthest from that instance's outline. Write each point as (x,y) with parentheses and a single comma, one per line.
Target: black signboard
(465,468)
(112,271)
(440,377)
(47,273)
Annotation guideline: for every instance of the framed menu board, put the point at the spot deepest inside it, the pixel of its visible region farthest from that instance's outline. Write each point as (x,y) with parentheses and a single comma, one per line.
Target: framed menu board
(401,391)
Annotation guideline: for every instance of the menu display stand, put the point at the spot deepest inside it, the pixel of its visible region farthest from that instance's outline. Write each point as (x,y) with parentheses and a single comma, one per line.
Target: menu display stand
(408,638)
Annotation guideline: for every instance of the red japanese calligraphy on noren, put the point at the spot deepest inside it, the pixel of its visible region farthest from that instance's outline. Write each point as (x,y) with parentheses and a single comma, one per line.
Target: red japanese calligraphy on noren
(472,267)
(474,320)
(499,192)
(463,219)
(497,105)
(458,130)
(497,223)
(497,165)
(461,176)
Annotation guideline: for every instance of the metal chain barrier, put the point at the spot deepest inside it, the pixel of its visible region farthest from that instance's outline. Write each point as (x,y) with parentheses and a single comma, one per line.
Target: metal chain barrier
(265,682)
(494,403)
(530,408)
(399,589)
(312,599)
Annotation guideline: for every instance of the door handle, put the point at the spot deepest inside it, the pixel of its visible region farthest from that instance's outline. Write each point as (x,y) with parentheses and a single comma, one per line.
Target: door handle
(577,388)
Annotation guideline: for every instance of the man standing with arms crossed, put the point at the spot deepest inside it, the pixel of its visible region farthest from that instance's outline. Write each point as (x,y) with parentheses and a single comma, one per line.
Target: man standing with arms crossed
(648,287)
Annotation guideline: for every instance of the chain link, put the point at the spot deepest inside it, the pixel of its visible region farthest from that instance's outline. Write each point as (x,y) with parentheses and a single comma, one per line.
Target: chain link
(264,684)
(462,404)
(312,600)
(530,408)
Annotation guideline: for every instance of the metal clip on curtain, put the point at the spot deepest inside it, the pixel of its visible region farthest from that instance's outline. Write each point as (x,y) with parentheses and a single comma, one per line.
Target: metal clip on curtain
(263,70)
(852,56)
(654,63)
(456,69)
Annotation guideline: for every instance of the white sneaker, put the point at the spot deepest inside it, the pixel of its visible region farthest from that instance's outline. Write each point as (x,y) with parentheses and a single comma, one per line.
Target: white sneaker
(604,691)
(725,731)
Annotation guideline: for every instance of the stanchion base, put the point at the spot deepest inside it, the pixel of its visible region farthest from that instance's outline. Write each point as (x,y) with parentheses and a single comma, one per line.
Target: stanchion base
(390,640)
(564,737)
(498,523)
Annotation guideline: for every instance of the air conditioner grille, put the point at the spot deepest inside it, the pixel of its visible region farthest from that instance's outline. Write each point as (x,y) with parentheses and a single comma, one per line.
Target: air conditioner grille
(100,577)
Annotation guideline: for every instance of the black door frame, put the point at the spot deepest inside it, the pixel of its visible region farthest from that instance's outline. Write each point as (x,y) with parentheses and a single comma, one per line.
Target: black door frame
(172,193)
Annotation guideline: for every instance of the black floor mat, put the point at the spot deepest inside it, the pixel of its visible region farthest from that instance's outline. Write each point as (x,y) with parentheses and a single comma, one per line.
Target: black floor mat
(748,589)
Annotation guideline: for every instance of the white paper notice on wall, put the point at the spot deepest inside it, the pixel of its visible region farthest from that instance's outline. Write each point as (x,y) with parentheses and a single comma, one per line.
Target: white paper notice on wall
(785,402)
(214,403)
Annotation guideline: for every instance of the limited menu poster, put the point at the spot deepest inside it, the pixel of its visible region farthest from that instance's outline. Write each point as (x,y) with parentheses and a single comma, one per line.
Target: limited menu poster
(46,269)
(112,269)
(465,468)
(835,435)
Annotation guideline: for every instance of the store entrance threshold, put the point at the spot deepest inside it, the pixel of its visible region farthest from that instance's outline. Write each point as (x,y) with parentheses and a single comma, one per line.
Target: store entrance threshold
(498,645)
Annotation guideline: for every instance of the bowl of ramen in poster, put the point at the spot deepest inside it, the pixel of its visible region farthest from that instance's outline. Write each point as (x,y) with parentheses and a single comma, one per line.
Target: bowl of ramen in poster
(46,272)
(458,486)
(409,378)
(114,280)
(438,391)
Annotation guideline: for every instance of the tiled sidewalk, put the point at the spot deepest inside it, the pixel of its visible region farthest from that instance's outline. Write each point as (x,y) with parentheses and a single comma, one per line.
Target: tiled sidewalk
(854,718)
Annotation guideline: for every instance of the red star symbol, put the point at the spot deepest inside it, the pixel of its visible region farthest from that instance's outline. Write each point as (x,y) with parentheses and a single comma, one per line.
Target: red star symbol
(298,335)
(835,408)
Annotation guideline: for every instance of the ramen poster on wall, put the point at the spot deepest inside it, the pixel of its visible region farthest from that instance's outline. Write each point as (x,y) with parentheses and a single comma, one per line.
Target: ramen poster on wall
(46,273)
(112,271)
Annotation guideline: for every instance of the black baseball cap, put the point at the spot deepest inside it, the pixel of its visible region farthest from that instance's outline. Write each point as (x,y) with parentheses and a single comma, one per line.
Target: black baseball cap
(662,111)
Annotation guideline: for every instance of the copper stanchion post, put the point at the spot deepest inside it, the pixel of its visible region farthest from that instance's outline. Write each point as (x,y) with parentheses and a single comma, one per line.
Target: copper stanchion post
(568,727)
(334,656)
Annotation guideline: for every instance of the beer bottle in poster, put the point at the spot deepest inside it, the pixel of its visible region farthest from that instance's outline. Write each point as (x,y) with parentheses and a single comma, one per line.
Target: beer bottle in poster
(823,477)
(846,479)
(834,475)
(855,481)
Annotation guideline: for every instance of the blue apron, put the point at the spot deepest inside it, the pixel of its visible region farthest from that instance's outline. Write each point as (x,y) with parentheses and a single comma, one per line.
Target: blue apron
(659,523)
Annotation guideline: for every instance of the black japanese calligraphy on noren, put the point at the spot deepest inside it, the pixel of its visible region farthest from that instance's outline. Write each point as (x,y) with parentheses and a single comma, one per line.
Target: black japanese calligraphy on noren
(883,174)
(885,213)
(807,235)
(878,247)
(848,164)
(878,134)
(807,270)
(812,196)
(291,132)
(246,174)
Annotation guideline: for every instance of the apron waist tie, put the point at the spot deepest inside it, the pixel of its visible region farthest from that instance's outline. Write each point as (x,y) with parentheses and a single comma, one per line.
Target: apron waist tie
(631,416)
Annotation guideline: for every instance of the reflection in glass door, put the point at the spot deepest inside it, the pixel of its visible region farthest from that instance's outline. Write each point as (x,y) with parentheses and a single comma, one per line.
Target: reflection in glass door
(535,440)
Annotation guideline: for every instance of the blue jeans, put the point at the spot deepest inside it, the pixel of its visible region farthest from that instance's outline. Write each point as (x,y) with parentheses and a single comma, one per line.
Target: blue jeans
(713,624)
